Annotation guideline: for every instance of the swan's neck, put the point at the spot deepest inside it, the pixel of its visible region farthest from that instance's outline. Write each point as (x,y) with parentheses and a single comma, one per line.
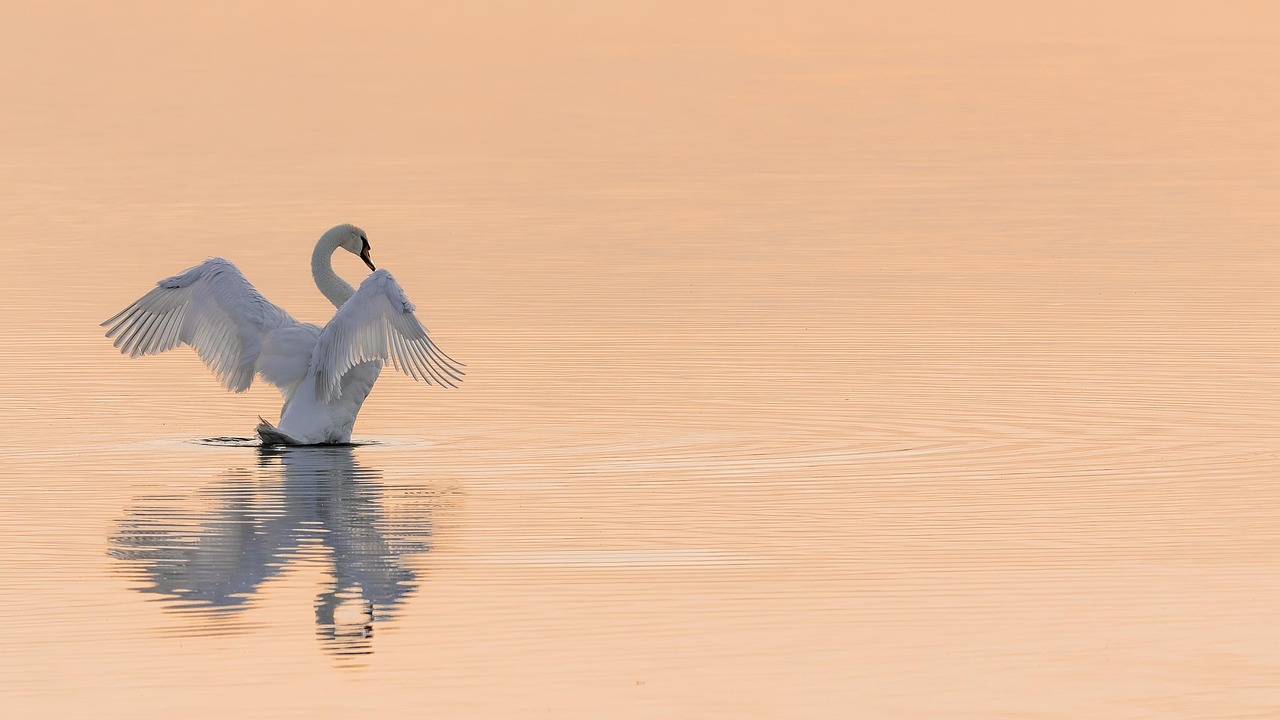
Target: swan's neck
(335,288)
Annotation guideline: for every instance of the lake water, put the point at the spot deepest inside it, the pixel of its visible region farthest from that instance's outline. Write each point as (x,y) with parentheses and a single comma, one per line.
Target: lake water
(829,362)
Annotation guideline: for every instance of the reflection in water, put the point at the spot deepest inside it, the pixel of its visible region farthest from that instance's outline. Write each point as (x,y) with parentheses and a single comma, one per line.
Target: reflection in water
(296,505)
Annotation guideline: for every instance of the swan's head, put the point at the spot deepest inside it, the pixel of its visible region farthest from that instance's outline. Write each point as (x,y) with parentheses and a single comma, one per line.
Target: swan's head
(352,239)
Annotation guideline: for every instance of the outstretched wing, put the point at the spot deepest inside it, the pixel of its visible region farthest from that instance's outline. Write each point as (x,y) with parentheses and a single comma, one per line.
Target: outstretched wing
(212,308)
(377,323)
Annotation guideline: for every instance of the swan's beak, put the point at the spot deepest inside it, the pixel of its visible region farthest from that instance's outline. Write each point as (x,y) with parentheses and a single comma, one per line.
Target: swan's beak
(364,255)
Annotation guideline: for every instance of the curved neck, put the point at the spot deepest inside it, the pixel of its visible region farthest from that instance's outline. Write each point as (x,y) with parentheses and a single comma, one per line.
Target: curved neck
(335,288)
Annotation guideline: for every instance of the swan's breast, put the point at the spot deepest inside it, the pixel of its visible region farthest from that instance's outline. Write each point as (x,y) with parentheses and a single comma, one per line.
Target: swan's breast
(286,355)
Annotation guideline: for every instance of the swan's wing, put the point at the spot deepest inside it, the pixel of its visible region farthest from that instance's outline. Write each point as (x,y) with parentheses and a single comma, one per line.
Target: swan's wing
(377,323)
(212,308)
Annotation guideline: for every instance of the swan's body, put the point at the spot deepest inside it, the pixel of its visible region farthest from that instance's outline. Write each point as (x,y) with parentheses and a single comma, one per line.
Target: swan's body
(325,374)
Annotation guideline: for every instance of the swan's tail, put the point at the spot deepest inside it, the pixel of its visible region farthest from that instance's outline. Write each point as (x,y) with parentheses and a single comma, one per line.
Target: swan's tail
(271,435)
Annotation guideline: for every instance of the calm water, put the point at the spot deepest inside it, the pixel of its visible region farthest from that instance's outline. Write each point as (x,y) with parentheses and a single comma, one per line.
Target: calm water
(837,363)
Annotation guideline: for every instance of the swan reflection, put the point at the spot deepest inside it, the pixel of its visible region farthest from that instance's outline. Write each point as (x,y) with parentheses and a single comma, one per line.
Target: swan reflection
(211,553)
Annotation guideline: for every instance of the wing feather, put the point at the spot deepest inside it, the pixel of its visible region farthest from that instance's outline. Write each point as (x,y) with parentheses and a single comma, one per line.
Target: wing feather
(212,308)
(378,323)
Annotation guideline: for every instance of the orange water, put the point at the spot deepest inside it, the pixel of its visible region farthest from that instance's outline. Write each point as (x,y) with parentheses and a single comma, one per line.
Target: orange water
(825,361)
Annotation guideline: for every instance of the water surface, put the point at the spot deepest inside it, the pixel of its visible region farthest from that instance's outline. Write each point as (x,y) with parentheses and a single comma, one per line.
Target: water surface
(841,362)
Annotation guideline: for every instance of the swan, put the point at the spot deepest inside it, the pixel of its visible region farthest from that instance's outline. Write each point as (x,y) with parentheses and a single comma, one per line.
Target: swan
(324,374)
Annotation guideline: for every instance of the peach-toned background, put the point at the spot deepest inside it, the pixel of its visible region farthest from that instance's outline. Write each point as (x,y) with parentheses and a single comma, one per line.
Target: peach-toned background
(826,360)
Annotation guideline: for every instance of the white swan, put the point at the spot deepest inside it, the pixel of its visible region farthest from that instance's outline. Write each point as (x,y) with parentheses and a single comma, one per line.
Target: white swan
(325,374)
